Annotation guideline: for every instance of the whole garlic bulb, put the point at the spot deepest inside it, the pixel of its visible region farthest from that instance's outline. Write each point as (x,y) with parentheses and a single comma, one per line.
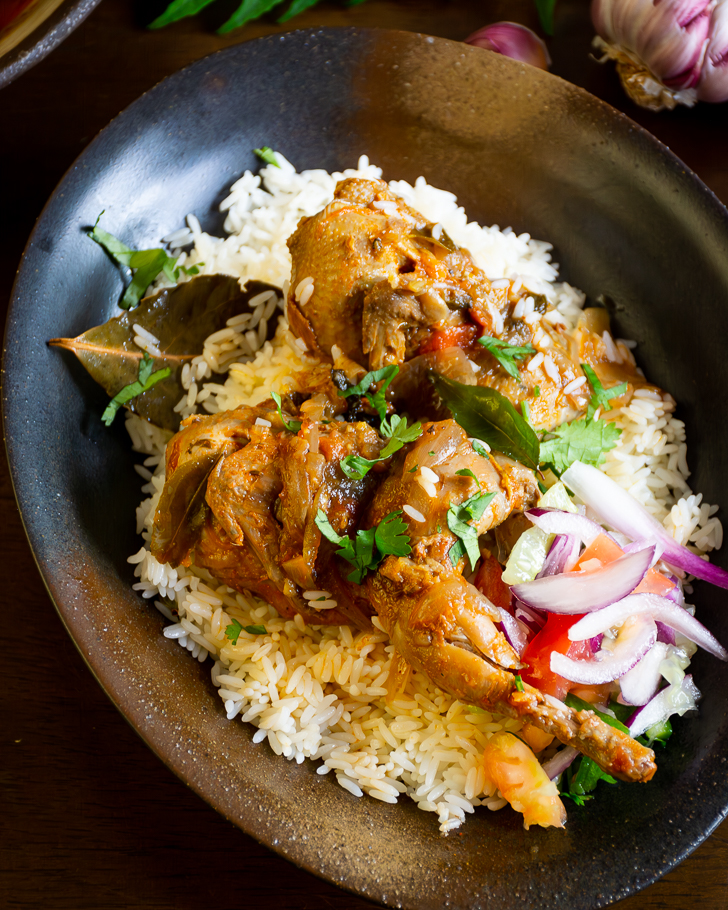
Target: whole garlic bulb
(668,52)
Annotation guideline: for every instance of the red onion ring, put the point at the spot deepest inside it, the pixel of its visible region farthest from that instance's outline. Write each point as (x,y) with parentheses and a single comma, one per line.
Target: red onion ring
(636,638)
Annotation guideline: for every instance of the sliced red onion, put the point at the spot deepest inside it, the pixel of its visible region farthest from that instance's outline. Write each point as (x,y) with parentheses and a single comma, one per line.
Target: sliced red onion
(640,684)
(595,643)
(562,556)
(665,633)
(675,699)
(660,609)
(514,633)
(621,511)
(635,639)
(582,592)
(529,618)
(675,594)
(641,544)
(553,521)
(560,762)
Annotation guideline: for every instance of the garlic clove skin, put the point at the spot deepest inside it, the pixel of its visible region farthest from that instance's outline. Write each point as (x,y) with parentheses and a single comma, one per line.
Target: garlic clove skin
(713,85)
(668,52)
(512,40)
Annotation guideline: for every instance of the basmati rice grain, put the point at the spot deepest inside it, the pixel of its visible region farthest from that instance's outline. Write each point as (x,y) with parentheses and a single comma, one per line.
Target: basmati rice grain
(413,513)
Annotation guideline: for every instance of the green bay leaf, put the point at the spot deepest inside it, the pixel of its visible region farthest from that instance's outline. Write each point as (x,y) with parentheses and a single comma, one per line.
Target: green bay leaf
(488,415)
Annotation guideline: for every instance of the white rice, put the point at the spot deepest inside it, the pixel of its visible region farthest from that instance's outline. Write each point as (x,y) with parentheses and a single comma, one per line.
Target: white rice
(319,692)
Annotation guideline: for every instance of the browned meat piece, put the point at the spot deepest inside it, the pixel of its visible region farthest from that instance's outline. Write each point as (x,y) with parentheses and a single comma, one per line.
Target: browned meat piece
(381,282)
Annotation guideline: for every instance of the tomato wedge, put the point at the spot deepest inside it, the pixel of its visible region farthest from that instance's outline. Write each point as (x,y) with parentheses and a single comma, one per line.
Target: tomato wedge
(489,580)
(553,637)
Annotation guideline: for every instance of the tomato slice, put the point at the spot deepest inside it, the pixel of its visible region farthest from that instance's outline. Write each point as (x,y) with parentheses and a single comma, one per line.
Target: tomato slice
(489,580)
(454,336)
(604,550)
(553,637)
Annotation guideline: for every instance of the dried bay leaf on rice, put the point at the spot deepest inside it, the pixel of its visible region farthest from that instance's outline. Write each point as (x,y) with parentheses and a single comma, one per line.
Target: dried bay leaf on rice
(181,318)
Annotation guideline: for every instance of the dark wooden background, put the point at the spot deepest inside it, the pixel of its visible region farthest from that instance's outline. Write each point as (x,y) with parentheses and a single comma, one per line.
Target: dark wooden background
(89,817)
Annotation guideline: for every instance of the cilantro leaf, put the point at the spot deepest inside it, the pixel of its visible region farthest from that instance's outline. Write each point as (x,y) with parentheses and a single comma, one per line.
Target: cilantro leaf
(601,396)
(391,536)
(480,449)
(232,631)
(584,440)
(579,800)
(458,521)
(293,426)
(375,399)
(357,467)
(519,683)
(268,155)
(587,776)
(368,548)
(145,381)
(145,264)
(506,354)
(466,472)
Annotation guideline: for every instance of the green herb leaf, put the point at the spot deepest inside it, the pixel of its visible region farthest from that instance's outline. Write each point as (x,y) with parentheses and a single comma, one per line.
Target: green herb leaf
(179,9)
(145,381)
(507,354)
(246,12)
(368,548)
(293,426)
(375,399)
(267,154)
(519,683)
(488,415)
(466,472)
(356,467)
(579,800)
(480,449)
(545,10)
(584,440)
(146,264)
(458,520)
(181,318)
(298,6)
(601,396)
(391,536)
(587,776)
(232,631)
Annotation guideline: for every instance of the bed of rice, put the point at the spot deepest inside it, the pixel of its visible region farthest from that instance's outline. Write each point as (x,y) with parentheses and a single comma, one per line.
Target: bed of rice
(319,692)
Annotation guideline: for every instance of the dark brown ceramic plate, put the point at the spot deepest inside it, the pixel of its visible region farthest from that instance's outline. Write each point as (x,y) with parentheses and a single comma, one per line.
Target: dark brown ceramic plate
(36,31)
(520,148)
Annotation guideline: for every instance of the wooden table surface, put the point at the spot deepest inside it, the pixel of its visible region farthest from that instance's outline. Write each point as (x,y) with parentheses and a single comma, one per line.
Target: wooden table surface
(90,818)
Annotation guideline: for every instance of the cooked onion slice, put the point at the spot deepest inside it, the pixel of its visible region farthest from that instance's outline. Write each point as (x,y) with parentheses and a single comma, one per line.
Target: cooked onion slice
(635,639)
(553,521)
(675,699)
(616,508)
(641,683)
(660,609)
(582,592)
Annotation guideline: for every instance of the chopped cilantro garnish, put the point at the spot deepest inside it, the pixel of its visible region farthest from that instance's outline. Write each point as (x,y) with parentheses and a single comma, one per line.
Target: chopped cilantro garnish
(431,454)
(375,399)
(268,155)
(145,381)
(480,449)
(466,472)
(585,440)
(190,271)
(293,426)
(506,354)
(537,391)
(369,547)
(412,470)
(458,520)
(356,467)
(601,396)
(145,264)
(232,631)
(519,683)
(526,411)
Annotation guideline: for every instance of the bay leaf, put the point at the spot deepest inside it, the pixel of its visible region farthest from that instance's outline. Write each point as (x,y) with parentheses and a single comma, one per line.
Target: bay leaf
(182,509)
(486,414)
(181,318)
